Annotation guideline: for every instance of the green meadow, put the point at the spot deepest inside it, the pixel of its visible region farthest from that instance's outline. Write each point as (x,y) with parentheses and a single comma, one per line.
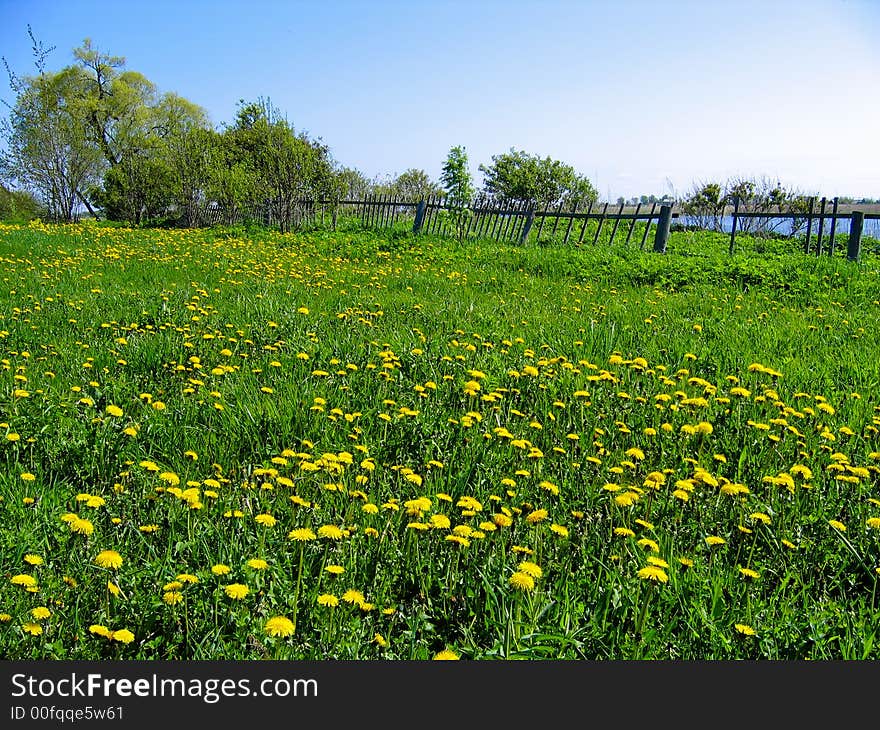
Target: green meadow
(239,444)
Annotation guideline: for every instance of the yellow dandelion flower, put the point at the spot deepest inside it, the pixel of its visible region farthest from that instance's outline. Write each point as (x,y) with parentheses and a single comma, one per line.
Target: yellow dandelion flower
(522,581)
(532,569)
(100,630)
(32,628)
(220,569)
(353,596)
(114,411)
(172,598)
(279,626)
(653,573)
(837,525)
(236,591)
(502,520)
(539,515)
(266,520)
(82,526)
(328,599)
(257,564)
(32,559)
(335,569)
(744,629)
(124,636)
(109,559)
(749,573)
(330,532)
(301,534)
(713,540)
(469,503)
(40,612)
(445,655)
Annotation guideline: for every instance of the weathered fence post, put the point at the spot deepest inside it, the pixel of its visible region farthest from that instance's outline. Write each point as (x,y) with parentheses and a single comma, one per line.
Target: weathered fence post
(821,227)
(530,219)
(730,248)
(662,234)
(809,226)
(420,216)
(855,235)
(833,228)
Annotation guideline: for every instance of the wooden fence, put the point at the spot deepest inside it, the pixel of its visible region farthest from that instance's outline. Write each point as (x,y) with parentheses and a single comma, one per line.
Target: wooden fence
(514,222)
(500,220)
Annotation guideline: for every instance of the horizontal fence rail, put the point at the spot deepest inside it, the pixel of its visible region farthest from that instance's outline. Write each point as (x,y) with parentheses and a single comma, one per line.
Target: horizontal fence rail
(518,221)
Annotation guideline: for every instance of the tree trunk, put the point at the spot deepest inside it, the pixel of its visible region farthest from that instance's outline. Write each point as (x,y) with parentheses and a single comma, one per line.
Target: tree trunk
(86,203)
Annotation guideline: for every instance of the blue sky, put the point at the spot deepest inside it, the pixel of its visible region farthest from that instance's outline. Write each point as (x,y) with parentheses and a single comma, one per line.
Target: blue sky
(642,97)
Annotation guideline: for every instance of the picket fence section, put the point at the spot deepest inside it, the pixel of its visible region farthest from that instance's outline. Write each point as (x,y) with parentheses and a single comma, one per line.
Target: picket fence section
(515,221)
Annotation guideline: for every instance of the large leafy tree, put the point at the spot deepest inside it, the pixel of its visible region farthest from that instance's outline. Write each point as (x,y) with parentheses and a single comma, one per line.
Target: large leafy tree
(116,102)
(520,176)
(155,146)
(47,148)
(99,135)
(185,140)
(283,167)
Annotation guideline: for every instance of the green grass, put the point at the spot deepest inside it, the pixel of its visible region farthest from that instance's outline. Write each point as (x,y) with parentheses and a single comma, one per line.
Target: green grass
(399,392)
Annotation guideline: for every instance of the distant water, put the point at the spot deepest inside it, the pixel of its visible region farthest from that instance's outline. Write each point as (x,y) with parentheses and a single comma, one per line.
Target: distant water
(870,227)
